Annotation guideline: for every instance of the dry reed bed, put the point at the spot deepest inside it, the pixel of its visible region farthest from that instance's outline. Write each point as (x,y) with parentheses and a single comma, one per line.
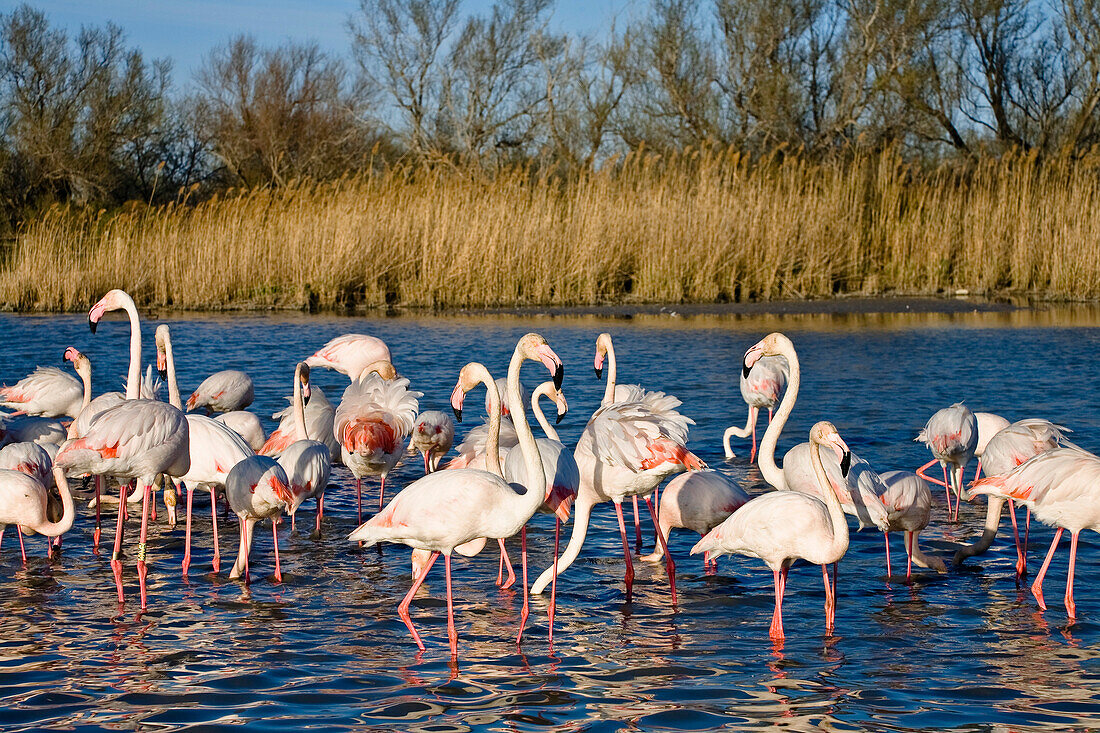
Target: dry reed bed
(696,228)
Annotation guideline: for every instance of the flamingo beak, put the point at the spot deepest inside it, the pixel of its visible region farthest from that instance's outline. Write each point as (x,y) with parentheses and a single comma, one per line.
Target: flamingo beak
(598,365)
(306,392)
(559,375)
(162,365)
(456,401)
(95,314)
(551,361)
(753,355)
(846,463)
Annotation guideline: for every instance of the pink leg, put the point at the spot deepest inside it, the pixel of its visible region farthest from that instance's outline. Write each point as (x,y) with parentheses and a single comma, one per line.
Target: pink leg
(359,500)
(22,548)
(670,566)
(1016,537)
(656,513)
(152,506)
(780,580)
(637,528)
(96,534)
(320,511)
(187,533)
(505,561)
(978,472)
(554,578)
(246,538)
(526,608)
(293,525)
(752,455)
(629,577)
(921,472)
(382,493)
(830,601)
(275,534)
(116,555)
(1071,608)
(1027,532)
(427,468)
(403,609)
(909,539)
(888,571)
(214,520)
(947,488)
(142,568)
(1037,586)
(452,635)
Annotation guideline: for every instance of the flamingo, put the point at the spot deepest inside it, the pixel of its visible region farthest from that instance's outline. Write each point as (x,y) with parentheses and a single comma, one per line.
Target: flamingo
(372,423)
(759,388)
(137,439)
(306,462)
(502,388)
(627,449)
(989,425)
(699,501)
(1007,449)
(225,391)
(1060,488)
(351,354)
(257,488)
(31,429)
(33,460)
(23,502)
(908,501)
(247,425)
(952,436)
(433,434)
(46,392)
(319,414)
(781,527)
(214,450)
(446,509)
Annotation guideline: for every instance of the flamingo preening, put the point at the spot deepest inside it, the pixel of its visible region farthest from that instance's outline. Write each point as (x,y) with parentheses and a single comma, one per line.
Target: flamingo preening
(23,502)
(225,391)
(952,436)
(257,488)
(351,354)
(760,388)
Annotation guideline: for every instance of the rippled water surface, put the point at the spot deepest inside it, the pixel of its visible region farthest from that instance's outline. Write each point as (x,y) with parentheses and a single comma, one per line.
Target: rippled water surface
(325,648)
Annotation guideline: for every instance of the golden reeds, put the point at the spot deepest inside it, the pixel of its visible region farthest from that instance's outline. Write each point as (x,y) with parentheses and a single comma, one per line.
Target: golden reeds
(699,227)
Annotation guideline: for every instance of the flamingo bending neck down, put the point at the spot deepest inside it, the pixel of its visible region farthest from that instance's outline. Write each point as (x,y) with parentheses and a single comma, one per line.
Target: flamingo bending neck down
(781,527)
(760,388)
(226,391)
(432,436)
(446,509)
(23,502)
(352,354)
(952,436)
(257,488)
(908,501)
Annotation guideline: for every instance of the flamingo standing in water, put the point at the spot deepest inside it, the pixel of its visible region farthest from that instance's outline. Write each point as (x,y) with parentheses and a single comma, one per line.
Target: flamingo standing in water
(350,354)
(46,392)
(214,449)
(373,423)
(781,527)
(257,488)
(908,501)
(307,462)
(952,436)
(224,391)
(23,502)
(137,439)
(432,436)
(759,388)
(446,509)
(319,415)
(699,501)
(1060,487)
(1009,448)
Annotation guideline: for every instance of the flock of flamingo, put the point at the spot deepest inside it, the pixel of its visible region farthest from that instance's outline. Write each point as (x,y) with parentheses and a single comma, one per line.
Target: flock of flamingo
(503,474)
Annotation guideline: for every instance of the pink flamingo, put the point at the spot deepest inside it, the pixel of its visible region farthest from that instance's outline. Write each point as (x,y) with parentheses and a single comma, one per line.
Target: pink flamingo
(214,450)
(137,439)
(307,462)
(257,488)
(432,436)
(433,513)
(1060,488)
(46,392)
(23,502)
(699,501)
(351,354)
(628,449)
(781,527)
(247,425)
(224,391)
(759,388)
(952,436)
(1008,448)
(373,423)
(319,415)
(908,501)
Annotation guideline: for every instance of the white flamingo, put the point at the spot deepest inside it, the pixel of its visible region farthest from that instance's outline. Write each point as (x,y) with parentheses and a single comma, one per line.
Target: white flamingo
(23,502)
(307,462)
(135,440)
(435,512)
(225,391)
(781,527)
(760,388)
(908,502)
(351,354)
(952,436)
(257,488)
(46,392)
(432,436)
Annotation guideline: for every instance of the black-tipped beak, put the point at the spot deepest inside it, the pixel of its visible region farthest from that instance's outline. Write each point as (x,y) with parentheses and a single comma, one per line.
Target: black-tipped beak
(92,324)
(559,376)
(599,372)
(163,374)
(458,413)
(846,463)
(558,419)
(305,399)
(745,369)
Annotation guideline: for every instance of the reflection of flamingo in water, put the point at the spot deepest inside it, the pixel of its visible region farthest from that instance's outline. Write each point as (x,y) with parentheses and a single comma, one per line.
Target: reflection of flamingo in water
(760,387)
(1060,486)
(952,436)
(781,527)
(434,512)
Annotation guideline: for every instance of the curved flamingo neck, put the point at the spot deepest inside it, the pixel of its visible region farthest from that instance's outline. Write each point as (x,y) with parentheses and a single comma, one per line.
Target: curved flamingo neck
(546,389)
(299,405)
(492,441)
(170,367)
(85,374)
(529,503)
(133,376)
(612,374)
(68,509)
(836,512)
(772,473)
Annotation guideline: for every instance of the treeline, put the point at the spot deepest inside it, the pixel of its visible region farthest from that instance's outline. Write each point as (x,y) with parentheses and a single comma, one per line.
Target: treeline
(91,120)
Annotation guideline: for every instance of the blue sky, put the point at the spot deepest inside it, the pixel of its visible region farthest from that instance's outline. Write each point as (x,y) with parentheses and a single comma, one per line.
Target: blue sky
(185,30)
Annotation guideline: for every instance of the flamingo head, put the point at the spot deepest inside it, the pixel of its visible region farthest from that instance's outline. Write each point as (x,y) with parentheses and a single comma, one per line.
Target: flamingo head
(383,367)
(468,378)
(162,338)
(824,433)
(112,301)
(774,344)
(534,347)
(563,406)
(603,343)
(302,371)
(81,363)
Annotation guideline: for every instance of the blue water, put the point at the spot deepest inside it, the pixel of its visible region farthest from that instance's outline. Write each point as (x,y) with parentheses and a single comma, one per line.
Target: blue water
(326,649)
